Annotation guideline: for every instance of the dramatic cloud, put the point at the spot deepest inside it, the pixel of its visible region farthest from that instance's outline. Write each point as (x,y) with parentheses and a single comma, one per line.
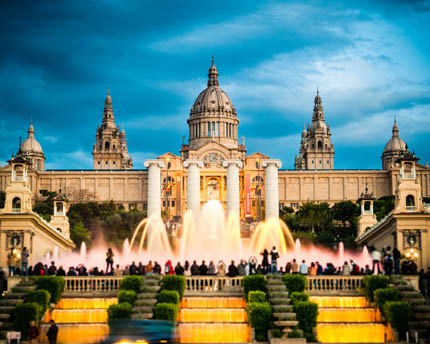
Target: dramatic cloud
(370,60)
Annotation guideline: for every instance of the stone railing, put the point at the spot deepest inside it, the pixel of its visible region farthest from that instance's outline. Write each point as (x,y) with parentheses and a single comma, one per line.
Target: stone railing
(337,284)
(213,284)
(92,284)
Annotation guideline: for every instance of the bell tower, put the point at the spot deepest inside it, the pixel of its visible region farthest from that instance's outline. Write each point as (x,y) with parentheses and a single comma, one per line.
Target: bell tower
(60,220)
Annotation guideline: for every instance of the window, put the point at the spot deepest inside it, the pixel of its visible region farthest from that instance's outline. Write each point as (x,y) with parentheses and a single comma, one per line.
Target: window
(99,162)
(312,161)
(145,206)
(294,205)
(320,145)
(173,204)
(106,162)
(59,207)
(410,203)
(113,147)
(209,128)
(328,162)
(199,133)
(107,145)
(114,162)
(16,205)
(367,206)
(313,146)
(213,129)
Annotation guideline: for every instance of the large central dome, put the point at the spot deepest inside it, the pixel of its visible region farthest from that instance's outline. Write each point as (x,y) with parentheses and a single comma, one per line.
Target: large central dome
(213,116)
(213,98)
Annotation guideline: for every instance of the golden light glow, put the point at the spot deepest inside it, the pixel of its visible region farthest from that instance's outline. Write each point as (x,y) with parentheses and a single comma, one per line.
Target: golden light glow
(340,302)
(359,315)
(213,315)
(78,333)
(86,303)
(214,333)
(213,302)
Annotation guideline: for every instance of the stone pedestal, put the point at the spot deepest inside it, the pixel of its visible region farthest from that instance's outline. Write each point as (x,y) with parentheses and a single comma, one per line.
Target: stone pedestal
(154,186)
(233,192)
(272,193)
(193,185)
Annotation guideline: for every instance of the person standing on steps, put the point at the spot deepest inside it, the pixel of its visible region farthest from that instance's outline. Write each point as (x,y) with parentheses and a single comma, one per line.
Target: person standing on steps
(109,260)
(265,262)
(274,255)
(24,261)
(52,333)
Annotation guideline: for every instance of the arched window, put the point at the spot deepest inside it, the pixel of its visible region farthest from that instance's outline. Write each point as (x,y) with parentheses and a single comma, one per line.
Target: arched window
(320,146)
(199,133)
(213,129)
(59,207)
(16,205)
(107,145)
(209,128)
(367,206)
(410,202)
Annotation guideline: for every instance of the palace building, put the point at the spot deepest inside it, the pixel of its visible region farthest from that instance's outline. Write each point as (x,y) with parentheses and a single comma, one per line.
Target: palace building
(215,164)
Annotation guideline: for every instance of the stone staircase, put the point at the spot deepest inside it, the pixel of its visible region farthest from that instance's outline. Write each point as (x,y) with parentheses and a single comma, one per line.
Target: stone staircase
(147,298)
(9,300)
(420,321)
(281,305)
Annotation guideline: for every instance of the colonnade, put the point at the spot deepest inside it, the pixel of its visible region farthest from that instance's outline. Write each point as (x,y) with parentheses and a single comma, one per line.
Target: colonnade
(233,166)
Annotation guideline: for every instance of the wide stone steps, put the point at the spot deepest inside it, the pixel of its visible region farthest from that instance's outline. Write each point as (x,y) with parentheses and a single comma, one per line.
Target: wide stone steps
(141,316)
(279,301)
(285,316)
(285,323)
(282,308)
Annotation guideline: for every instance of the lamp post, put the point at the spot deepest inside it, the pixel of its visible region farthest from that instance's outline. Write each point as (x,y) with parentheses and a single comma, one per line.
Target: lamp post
(166,188)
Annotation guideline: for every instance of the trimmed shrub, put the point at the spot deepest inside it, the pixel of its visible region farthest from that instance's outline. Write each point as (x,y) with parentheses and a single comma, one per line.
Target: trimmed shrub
(259,315)
(256,296)
(294,283)
(166,311)
(384,295)
(296,333)
(174,282)
(53,284)
(131,283)
(127,296)
(371,283)
(298,296)
(22,314)
(398,314)
(306,314)
(169,296)
(119,311)
(41,297)
(253,283)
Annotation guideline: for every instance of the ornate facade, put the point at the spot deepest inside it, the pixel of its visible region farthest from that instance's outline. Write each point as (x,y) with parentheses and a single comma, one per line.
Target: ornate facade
(212,158)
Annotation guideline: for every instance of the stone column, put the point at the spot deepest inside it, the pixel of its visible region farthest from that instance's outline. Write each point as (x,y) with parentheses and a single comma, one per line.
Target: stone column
(154,186)
(193,185)
(272,186)
(233,192)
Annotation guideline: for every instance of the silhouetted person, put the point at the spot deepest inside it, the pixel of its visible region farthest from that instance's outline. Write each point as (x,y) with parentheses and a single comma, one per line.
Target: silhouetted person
(179,270)
(140,269)
(396,256)
(195,269)
(52,269)
(274,255)
(61,272)
(52,333)
(265,262)
(232,270)
(203,269)
(109,260)
(157,268)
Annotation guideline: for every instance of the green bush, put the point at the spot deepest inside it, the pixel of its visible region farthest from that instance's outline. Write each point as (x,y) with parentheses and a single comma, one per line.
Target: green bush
(253,283)
(299,296)
(398,314)
(127,296)
(41,297)
(53,284)
(371,283)
(296,333)
(259,315)
(256,296)
(166,311)
(384,295)
(295,283)
(119,311)
(22,314)
(169,296)
(174,282)
(131,283)
(306,314)
(276,333)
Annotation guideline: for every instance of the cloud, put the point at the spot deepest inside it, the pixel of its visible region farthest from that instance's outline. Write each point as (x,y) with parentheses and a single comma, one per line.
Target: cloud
(72,160)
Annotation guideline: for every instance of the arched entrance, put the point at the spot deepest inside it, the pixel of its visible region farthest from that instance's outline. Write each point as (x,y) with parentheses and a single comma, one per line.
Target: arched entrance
(212,189)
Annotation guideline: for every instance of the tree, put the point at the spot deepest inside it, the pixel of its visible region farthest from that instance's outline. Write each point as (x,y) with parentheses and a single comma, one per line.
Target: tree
(383,206)
(79,234)
(345,211)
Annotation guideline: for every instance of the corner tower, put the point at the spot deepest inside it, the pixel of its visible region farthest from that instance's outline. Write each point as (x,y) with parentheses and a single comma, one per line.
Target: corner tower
(316,149)
(394,149)
(32,151)
(110,150)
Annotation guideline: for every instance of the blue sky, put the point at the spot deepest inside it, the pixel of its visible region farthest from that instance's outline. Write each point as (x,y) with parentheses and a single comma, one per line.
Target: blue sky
(370,60)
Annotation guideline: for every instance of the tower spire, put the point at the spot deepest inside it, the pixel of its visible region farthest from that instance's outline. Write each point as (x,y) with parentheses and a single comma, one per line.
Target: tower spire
(213,74)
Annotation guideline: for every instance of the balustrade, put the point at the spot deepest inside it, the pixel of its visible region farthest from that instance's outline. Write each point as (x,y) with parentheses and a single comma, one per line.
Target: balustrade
(213,284)
(92,284)
(334,284)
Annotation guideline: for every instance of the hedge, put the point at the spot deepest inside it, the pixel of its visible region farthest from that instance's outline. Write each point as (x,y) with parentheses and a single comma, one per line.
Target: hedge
(253,283)
(385,295)
(53,284)
(371,283)
(256,296)
(259,315)
(294,283)
(169,296)
(129,296)
(174,282)
(166,311)
(306,315)
(131,283)
(40,297)
(119,311)
(299,296)
(22,314)
(398,314)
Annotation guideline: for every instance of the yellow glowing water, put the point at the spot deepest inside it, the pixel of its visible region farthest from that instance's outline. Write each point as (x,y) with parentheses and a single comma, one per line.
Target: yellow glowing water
(85,303)
(356,315)
(353,333)
(340,301)
(213,320)
(213,302)
(77,316)
(213,315)
(214,333)
(77,333)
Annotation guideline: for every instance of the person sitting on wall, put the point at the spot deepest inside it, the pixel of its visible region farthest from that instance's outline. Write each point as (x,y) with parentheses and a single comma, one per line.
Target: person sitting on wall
(241,268)
(303,268)
(109,259)
(195,269)
(252,265)
(295,267)
(132,269)
(149,268)
(211,268)
(179,270)
(221,268)
(52,269)
(232,270)
(60,271)
(265,263)
(203,269)
(157,268)
(187,271)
